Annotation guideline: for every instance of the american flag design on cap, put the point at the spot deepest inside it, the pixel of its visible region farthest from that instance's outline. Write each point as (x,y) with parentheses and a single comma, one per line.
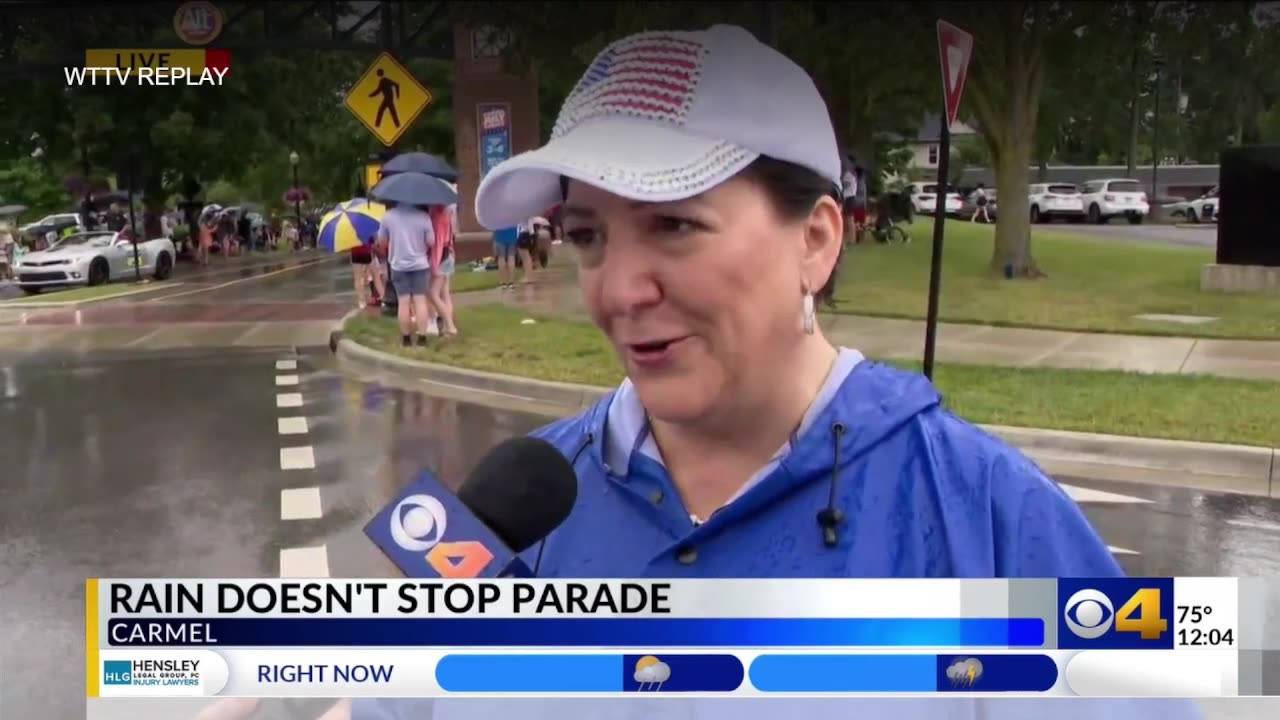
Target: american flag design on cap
(652,75)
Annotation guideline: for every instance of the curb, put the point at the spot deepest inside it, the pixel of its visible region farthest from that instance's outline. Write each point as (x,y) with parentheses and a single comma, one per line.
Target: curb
(568,396)
(54,305)
(1196,226)
(1216,467)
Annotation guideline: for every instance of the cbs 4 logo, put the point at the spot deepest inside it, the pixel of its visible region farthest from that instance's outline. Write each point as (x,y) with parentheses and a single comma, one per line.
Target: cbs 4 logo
(1089,615)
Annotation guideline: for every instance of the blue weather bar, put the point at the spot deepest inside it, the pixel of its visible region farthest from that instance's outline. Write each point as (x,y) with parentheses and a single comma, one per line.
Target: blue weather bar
(579,632)
(563,674)
(903,673)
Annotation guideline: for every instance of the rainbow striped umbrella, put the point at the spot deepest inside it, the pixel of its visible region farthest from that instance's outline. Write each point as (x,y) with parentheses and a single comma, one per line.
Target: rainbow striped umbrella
(351,223)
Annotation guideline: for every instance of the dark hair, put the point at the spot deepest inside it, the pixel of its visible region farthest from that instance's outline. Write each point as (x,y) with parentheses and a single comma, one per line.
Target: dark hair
(793,190)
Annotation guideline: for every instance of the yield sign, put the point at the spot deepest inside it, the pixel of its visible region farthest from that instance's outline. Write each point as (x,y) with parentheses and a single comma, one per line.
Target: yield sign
(955,47)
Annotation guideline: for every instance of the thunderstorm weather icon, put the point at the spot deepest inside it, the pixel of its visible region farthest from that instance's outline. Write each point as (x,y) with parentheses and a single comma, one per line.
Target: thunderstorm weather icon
(964,672)
(651,673)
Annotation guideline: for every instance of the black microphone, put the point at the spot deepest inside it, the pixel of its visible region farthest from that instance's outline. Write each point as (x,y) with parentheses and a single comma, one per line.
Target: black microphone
(518,493)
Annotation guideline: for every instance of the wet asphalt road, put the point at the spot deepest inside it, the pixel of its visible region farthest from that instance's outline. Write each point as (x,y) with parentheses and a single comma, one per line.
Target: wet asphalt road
(1158,234)
(153,465)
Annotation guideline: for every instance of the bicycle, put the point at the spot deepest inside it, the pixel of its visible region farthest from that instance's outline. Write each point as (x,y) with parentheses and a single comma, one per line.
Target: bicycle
(891,210)
(890,232)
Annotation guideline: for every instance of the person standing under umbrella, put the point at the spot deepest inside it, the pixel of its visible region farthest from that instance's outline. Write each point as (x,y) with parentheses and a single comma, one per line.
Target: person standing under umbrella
(409,236)
(444,220)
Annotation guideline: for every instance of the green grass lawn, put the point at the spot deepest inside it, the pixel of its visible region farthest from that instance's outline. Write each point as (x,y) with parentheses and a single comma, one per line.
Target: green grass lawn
(464,280)
(1093,285)
(1164,406)
(86,294)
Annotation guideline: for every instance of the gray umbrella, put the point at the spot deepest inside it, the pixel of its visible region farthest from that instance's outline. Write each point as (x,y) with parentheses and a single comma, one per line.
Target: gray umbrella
(412,188)
(420,162)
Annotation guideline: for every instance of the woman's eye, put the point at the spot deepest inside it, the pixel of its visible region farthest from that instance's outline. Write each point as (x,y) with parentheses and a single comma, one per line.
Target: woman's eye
(677,225)
(582,237)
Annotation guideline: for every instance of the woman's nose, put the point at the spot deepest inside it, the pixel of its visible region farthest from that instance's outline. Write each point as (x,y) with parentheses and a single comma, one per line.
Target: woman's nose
(628,278)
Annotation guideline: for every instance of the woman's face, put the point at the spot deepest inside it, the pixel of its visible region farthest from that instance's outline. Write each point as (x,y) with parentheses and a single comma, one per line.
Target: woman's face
(701,298)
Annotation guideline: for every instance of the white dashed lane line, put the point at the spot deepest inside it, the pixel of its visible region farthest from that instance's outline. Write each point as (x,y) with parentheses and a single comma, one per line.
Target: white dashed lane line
(307,562)
(289,400)
(292,425)
(298,503)
(297,458)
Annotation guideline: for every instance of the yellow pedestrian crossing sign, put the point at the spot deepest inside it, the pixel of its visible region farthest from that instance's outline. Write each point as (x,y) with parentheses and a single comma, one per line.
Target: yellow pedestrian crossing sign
(387,99)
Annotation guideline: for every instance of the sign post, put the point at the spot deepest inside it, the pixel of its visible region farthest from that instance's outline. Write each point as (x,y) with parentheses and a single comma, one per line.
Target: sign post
(387,99)
(955,46)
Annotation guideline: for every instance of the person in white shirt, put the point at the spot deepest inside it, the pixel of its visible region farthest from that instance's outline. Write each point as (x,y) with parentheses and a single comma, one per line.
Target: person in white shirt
(7,244)
(528,243)
(979,199)
(849,197)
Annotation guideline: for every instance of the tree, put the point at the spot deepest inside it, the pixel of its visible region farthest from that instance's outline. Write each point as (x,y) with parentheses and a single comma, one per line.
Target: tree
(1005,82)
(29,182)
(866,59)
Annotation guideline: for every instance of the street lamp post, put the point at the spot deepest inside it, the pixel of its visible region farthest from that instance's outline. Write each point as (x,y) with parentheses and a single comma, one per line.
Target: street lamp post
(1155,142)
(297,198)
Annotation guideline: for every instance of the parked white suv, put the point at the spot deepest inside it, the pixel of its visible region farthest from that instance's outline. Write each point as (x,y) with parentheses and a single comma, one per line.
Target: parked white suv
(1054,200)
(1105,199)
(924,199)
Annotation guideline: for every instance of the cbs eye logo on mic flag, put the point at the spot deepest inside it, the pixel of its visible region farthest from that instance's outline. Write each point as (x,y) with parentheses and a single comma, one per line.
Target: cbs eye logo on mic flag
(1115,614)
(418,524)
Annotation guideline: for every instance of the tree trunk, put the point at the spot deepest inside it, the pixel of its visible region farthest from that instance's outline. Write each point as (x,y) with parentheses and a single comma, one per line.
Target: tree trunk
(1011,255)
(1135,92)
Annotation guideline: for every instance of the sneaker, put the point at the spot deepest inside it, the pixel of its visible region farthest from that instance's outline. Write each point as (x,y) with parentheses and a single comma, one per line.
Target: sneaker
(433,329)
(406,341)
(422,341)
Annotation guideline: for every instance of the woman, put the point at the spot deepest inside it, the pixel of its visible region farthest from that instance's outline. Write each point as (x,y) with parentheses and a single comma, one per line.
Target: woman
(848,200)
(527,246)
(205,241)
(444,222)
(743,443)
(364,272)
(505,241)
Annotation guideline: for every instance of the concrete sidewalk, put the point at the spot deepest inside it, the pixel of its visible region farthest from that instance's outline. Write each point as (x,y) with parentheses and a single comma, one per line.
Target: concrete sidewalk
(890,338)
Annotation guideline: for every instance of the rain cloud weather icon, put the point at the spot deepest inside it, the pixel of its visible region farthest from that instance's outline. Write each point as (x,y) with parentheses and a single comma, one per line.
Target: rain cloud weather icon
(651,673)
(964,672)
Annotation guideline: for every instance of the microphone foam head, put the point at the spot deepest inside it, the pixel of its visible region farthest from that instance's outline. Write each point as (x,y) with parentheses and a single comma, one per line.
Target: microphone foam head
(522,489)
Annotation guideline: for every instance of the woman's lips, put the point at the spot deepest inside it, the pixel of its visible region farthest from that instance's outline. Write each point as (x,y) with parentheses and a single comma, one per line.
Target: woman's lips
(653,353)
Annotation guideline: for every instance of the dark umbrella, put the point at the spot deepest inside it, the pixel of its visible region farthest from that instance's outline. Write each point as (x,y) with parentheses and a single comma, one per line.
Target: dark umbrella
(420,162)
(411,188)
(115,196)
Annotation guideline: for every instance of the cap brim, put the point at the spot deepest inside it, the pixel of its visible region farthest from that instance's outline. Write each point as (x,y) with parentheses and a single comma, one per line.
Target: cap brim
(633,158)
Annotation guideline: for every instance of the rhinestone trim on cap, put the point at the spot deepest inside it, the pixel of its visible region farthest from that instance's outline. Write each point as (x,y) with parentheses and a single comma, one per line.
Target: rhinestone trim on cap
(691,178)
(651,75)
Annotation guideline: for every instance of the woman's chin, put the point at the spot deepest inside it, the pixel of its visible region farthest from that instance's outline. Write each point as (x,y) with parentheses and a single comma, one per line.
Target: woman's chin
(674,399)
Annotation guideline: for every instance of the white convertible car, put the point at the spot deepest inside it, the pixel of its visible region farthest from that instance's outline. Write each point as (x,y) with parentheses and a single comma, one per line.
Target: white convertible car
(93,258)
(1202,209)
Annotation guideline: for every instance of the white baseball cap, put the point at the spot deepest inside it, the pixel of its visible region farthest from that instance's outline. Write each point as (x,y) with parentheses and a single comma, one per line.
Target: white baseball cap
(664,116)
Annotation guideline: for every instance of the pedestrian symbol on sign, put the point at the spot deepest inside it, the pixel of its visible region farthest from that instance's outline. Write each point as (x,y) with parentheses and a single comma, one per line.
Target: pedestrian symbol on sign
(387,99)
(390,91)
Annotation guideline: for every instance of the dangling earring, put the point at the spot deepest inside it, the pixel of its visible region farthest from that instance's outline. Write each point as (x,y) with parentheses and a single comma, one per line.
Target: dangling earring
(808,313)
